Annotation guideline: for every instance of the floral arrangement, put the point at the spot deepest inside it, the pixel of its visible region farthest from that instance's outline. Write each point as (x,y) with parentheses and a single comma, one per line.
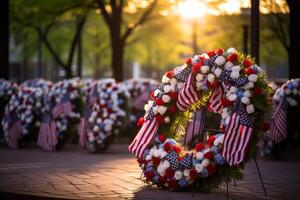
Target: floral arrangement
(139,90)
(226,83)
(7,89)
(64,108)
(23,112)
(108,105)
(286,98)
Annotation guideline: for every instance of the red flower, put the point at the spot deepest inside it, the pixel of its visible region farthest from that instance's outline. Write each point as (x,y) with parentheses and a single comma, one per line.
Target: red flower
(257,91)
(196,67)
(159,102)
(249,71)
(140,121)
(213,85)
(160,119)
(173,95)
(151,94)
(199,147)
(264,126)
(193,174)
(169,74)
(167,147)
(115,88)
(169,173)
(211,53)
(176,148)
(149,175)
(247,62)
(141,161)
(188,61)
(161,180)
(211,169)
(226,102)
(110,111)
(211,138)
(209,155)
(172,109)
(155,161)
(232,57)
(172,184)
(108,85)
(220,51)
(161,138)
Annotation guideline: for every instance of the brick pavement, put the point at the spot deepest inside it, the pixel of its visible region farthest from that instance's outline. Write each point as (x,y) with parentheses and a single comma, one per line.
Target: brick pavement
(115,175)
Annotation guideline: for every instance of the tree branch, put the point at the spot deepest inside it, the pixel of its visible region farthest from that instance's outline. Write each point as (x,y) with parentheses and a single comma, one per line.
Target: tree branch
(142,19)
(104,12)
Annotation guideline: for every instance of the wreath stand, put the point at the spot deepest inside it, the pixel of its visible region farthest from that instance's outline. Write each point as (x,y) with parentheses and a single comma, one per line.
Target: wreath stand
(221,131)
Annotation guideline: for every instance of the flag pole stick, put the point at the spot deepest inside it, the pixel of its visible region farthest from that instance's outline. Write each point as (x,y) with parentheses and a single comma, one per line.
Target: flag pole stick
(261,180)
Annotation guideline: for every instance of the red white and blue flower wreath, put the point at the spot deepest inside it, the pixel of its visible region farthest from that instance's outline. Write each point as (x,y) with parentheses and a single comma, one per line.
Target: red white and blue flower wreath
(287,96)
(104,115)
(227,83)
(22,115)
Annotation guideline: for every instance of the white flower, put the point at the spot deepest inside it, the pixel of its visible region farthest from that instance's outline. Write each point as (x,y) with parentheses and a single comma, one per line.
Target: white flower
(232,97)
(218,72)
(96,129)
(180,85)
(231,50)
(165,79)
(155,110)
(156,153)
(221,138)
(161,169)
(199,168)
(156,92)
(167,88)
(163,154)
(199,77)
(295,91)
(252,77)
(148,157)
(287,91)
(167,120)
(220,60)
(162,110)
(247,93)
(178,175)
(205,162)
(224,114)
(250,108)
(236,68)
(291,101)
(147,108)
(108,127)
(248,86)
(186,173)
(166,98)
(173,81)
(235,74)
(245,100)
(166,164)
(199,155)
(211,78)
(205,69)
(228,65)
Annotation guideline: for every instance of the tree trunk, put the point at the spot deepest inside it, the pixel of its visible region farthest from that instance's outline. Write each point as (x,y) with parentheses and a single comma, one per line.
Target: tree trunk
(117,59)
(4,39)
(294,32)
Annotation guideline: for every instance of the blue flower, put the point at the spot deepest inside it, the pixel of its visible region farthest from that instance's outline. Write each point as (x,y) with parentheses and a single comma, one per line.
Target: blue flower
(214,149)
(120,101)
(171,141)
(240,93)
(183,183)
(155,179)
(195,161)
(204,172)
(219,159)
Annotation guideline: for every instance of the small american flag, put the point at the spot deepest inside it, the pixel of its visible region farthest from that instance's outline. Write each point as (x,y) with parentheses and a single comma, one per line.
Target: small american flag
(215,101)
(145,136)
(187,95)
(237,136)
(196,126)
(47,139)
(83,126)
(278,130)
(15,128)
(63,108)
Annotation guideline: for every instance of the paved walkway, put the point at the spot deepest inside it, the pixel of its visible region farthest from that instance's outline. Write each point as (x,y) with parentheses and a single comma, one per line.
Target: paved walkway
(115,175)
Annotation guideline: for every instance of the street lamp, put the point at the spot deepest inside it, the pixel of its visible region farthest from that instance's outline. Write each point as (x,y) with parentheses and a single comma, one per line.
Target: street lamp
(192,10)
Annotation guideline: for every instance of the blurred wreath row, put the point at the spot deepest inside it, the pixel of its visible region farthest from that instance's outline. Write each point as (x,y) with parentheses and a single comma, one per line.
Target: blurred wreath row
(79,111)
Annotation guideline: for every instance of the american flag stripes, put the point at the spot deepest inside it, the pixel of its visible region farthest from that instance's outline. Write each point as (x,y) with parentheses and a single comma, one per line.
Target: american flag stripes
(215,101)
(278,130)
(47,139)
(83,126)
(237,136)
(187,95)
(14,129)
(144,137)
(63,108)
(196,126)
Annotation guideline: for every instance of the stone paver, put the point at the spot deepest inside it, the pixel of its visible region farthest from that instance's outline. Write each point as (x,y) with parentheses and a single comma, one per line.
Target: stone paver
(116,175)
